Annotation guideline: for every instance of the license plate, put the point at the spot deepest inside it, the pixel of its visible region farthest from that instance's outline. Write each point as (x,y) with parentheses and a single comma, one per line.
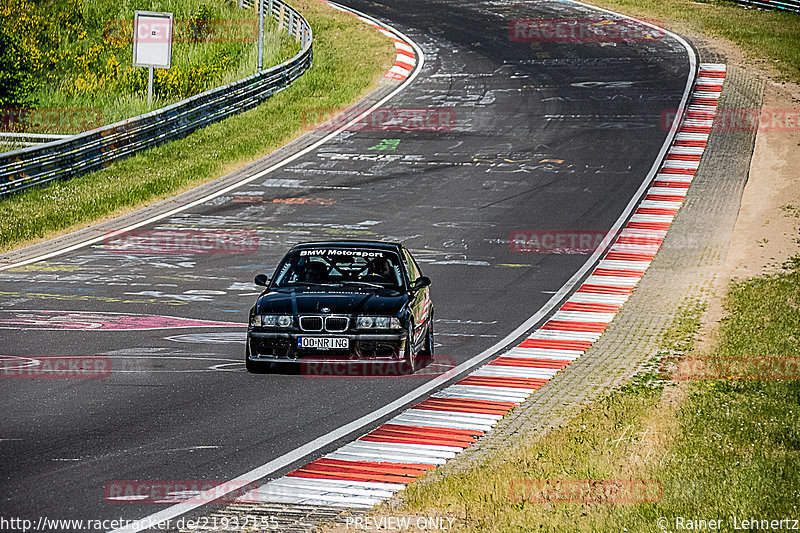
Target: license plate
(324,343)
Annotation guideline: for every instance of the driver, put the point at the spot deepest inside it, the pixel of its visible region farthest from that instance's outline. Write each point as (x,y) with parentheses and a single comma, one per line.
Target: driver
(381,268)
(314,272)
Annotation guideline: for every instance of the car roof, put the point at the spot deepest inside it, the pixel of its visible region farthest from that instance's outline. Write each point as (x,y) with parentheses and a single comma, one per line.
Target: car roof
(375,245)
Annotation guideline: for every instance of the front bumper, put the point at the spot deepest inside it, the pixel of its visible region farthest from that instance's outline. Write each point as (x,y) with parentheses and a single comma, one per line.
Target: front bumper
(269,346)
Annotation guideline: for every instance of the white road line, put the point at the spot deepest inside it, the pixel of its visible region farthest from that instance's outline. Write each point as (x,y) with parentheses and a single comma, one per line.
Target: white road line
(412,419)
(405,48)
(280,494)
(677,163)
(690,150)
(382,457)
(618,264)
(656,204)
(515,372)
(290,485)
(707,94)
(653,218)
(545,353)
(639,232)
(471,392)
(618,281)
(479,418)
(686,178)
(609,299)
(566,335)
(312,446)
(584,316)
(670,191)
(400,446)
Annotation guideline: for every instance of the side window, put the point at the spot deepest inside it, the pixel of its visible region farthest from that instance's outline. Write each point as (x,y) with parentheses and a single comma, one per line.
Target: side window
(411,266)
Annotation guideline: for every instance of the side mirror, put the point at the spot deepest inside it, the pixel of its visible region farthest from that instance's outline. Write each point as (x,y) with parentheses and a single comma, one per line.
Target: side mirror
(262,280)
(420,283)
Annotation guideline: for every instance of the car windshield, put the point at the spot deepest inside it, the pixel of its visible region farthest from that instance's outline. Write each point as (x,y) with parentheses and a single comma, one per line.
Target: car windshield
(338,266)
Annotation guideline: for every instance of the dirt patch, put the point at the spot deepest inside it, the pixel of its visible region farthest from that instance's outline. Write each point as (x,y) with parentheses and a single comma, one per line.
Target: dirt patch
(767,229)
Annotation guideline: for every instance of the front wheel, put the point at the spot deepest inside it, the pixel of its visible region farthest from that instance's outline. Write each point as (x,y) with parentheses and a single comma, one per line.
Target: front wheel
(427,350)
(410,355)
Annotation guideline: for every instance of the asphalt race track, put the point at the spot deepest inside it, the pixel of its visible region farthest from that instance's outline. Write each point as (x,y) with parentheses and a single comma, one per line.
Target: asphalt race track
(546,135)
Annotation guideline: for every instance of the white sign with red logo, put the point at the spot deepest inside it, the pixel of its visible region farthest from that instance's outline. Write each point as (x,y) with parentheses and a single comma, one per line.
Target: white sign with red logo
(152,39)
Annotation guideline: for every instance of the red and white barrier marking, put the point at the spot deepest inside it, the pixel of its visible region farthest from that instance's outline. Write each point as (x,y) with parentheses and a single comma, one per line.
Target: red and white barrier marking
(406,58)
(371,469)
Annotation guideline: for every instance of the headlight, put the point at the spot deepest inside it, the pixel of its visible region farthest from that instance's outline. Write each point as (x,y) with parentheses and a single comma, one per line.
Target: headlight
(377,322)
(271,321)
(364,322)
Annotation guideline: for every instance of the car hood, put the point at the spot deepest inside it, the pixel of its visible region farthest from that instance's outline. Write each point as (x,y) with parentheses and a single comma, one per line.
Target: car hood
(299,301)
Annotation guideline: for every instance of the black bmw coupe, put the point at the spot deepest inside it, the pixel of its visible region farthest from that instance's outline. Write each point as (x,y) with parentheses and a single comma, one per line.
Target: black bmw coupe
(342,301)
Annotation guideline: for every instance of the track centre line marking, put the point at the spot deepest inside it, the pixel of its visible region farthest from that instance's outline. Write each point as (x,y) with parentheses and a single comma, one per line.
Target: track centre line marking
(310,447)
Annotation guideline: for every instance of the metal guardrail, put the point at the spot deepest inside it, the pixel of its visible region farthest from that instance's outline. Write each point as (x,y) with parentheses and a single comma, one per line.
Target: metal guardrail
(785,5)
(95,149)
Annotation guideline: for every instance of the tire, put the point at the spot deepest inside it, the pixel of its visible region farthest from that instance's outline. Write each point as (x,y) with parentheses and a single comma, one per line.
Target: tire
(427,350)
(410,355)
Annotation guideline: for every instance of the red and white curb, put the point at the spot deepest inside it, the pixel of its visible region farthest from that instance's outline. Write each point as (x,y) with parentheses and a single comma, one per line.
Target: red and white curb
(406,58)
(371,469)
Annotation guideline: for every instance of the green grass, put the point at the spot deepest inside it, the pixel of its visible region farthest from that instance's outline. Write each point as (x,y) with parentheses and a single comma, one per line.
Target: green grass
(78,54)
(771,37)
(719,449)
(126,102)
(349,58)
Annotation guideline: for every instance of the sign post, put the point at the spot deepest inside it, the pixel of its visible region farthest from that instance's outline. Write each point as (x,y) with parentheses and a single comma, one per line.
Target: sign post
(260,34)
(152,44)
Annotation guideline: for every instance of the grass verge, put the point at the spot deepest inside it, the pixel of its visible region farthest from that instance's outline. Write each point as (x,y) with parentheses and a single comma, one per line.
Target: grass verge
(70,61)
(349,58)
(714,449)
(766,37)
